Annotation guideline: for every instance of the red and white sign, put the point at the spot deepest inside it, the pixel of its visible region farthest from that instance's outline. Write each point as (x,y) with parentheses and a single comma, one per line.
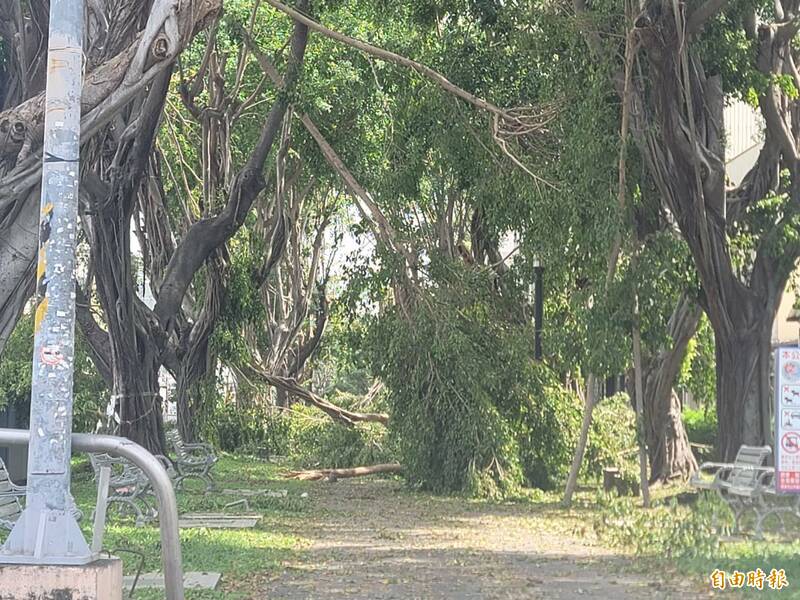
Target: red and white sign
(51,355)
(787,420)
(790,442)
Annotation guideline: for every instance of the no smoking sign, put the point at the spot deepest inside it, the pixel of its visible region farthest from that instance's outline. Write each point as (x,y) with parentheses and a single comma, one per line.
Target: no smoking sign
(790,442)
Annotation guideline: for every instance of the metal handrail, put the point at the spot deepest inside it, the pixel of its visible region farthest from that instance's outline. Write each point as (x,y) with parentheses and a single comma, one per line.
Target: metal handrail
(152,467)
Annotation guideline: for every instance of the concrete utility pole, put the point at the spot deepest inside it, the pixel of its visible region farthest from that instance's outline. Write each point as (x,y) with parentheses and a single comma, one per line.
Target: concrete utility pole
(46,532)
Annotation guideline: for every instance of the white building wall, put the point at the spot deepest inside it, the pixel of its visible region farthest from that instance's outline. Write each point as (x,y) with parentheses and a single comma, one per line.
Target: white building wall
(744,136)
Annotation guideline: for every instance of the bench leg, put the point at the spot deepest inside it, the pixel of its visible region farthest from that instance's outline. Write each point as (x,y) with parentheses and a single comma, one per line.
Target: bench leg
(739,508)
(759,529)
(204,476)
(130,505)
(209,479)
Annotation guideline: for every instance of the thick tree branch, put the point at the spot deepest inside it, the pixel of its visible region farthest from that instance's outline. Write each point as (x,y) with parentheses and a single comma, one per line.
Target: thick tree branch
(114,83)
(290,386)
(771,62)
(210,233)
(386,55)
(366,205)
(698,17)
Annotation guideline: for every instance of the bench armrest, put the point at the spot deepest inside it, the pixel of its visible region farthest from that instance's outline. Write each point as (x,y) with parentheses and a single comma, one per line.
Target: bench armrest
(709,466)
(719,471)
(199,446)
(17,492)
(168,466)
(198,453)
(766,476)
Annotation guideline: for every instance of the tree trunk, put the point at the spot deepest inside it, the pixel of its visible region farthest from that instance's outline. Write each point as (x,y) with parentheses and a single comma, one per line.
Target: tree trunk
(671,455)
(195,400)
(639,397)
(281,398)
(743,399)
(679,130)
(18,249)
(136,344)
(140,407)
(196,376)
(668,445)
(583,438)
(186,411)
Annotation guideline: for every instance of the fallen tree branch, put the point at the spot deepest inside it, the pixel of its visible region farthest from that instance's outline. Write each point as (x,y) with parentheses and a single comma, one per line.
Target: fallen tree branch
(337,413)
(334,474)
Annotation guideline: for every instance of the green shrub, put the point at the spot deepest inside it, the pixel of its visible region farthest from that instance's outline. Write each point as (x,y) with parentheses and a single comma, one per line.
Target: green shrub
(470,410)
(302,433)
(701,426)
(453,373)
(16,363)
(612,440)
(255,430)
(551,418)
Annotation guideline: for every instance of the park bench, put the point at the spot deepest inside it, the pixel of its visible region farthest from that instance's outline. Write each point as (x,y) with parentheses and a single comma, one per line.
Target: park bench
(129,486)
(192,460)
(744,485)
(10,503)
(712,475)
(10,493)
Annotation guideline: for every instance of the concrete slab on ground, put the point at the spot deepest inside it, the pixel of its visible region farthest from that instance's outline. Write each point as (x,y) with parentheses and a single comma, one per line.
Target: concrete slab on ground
(252,493)
(193,580)
(218,521)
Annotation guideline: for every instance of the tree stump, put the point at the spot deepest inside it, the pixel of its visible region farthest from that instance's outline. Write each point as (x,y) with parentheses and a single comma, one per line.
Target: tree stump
(611,479)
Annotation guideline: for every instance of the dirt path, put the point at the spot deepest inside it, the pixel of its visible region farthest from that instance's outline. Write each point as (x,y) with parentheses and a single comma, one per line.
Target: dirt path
(372,540)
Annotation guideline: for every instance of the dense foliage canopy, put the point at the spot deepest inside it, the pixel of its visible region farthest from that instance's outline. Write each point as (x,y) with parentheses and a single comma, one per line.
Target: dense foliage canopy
(342,204)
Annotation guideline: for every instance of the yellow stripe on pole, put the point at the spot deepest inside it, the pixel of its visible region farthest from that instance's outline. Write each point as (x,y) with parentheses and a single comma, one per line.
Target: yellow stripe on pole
(41,311)
(41,267)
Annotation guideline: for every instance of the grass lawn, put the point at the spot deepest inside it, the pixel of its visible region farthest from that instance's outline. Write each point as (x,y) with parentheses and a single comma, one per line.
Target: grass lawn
(247,558)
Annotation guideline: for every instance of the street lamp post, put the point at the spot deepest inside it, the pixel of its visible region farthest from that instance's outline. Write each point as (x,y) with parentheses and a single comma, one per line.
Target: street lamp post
(46,532)
(538,308)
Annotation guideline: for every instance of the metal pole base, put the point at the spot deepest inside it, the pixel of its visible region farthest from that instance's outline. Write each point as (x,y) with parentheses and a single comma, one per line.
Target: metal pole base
(46,537)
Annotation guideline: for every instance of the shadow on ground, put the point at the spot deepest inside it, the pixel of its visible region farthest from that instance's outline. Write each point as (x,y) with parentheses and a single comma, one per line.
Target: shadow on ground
(374,540)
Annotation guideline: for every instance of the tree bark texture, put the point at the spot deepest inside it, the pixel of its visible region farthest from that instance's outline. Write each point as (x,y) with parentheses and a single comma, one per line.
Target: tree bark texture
(668,445)
(678,125)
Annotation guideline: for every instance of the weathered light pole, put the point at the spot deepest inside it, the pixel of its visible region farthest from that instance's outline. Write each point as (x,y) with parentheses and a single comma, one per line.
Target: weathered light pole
(46,532)
(538,308)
